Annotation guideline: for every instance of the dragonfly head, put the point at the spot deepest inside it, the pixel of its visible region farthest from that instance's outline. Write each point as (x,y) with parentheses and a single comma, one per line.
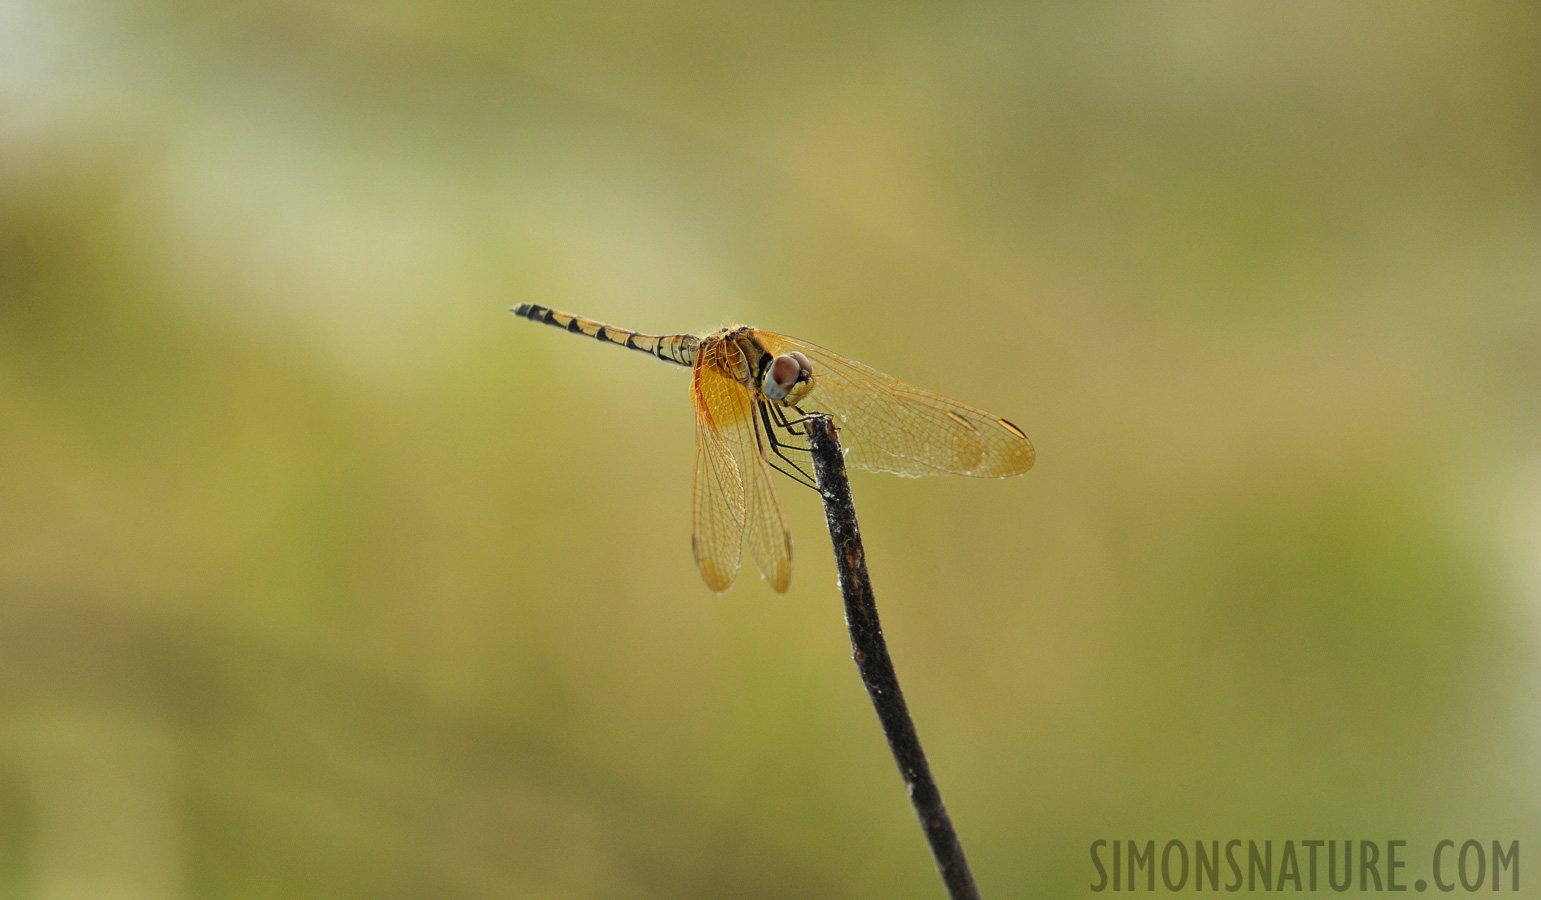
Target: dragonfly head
(789,375)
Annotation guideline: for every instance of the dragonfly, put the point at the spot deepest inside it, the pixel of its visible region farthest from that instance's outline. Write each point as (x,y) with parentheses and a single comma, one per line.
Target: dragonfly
(751,390)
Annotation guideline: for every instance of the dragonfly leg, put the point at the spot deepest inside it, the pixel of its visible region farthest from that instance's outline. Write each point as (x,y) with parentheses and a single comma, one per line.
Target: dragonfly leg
(787,425)
(777,447)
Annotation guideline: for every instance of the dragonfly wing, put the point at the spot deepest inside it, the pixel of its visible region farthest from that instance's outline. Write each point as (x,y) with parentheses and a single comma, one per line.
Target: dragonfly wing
(731,418)
(717,505)
(890,426)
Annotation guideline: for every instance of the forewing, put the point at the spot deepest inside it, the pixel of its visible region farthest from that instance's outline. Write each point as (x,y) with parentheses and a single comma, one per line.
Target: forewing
(733,420)
(889,426)
(717,506)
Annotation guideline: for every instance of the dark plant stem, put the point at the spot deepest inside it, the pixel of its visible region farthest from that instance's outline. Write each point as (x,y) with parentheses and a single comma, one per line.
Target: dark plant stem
(872,661)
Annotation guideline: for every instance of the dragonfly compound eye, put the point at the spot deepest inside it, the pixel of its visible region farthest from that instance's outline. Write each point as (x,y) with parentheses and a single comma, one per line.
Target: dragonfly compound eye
(782,374)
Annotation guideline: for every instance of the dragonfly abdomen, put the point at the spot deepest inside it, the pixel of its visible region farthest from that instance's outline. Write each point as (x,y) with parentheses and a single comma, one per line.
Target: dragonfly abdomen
(679,349)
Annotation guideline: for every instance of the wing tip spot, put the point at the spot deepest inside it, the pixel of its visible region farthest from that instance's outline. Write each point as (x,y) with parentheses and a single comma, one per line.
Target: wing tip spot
(962,421)
(780,580)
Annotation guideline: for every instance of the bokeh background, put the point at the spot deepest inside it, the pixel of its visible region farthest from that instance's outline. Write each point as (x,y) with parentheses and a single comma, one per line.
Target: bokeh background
(322,576)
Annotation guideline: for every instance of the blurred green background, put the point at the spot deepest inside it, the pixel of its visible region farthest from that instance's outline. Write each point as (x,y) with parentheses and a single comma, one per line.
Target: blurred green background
(322,576)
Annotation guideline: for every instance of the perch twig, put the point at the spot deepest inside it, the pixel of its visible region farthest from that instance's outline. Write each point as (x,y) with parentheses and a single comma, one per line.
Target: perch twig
(874,664)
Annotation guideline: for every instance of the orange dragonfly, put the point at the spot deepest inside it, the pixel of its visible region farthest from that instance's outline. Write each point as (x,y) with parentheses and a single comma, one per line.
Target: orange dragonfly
(744,381)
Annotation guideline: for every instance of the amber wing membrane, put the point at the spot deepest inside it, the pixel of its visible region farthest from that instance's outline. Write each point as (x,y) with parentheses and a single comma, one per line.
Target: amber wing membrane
(889,426)
(735,498)
(717,504)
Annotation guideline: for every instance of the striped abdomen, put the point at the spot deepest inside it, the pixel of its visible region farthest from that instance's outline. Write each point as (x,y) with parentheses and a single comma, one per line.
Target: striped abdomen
(676,348)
